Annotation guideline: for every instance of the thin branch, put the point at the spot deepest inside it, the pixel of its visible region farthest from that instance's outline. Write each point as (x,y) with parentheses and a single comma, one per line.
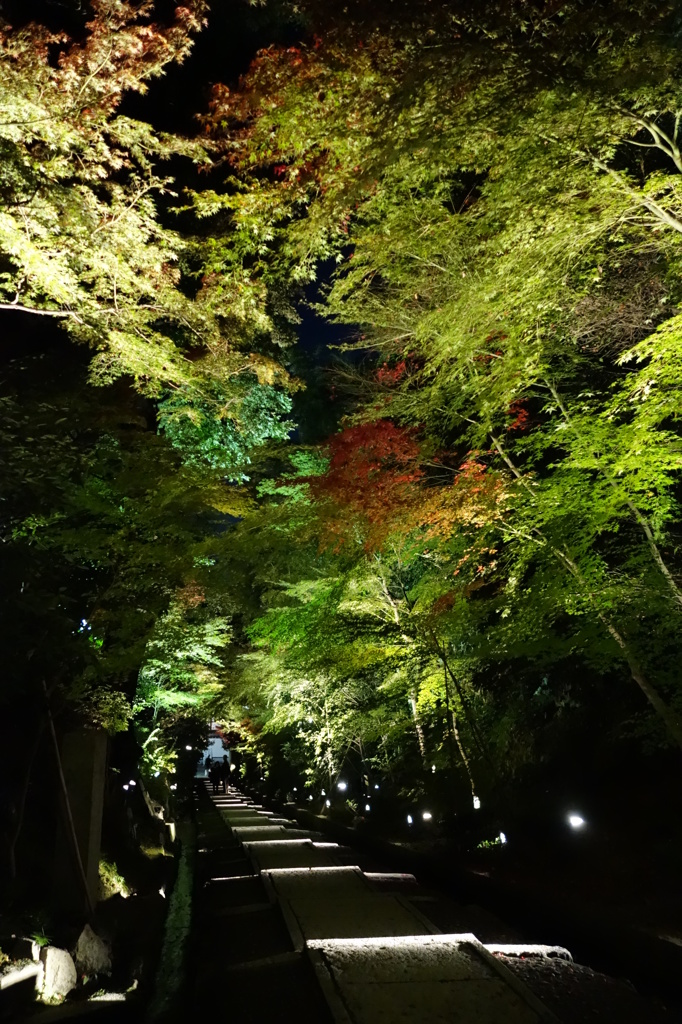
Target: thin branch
(641,519)
(650,204)
(662,140)
(670,718)
(39,312)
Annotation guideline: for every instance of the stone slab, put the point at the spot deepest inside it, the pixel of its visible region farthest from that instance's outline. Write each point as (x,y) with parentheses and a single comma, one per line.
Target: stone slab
(320,882)
(252,820)
(442,979)
(358,915)
(288,853)
(269,832)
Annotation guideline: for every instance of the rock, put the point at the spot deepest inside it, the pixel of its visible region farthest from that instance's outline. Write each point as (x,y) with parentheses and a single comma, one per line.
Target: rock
(59,974)
(93,955)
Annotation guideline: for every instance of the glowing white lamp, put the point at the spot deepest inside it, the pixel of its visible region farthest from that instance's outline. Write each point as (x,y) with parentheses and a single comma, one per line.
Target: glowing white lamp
(575,821)
(343,786)
(502,837)
(427,816)
(327,803)
(367,807)
(409,819)
(376,785)
(477,802)
(188,746)
(125,787)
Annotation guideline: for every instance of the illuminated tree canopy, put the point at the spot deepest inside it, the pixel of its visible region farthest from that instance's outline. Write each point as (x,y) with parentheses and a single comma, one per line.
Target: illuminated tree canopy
(483,202)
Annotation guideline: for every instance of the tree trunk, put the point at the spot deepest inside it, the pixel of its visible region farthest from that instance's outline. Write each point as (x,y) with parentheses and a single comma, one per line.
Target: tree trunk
(668,716)
(418,728)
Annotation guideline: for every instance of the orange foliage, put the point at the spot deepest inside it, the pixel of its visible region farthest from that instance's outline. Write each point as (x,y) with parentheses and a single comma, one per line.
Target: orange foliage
(190,596)
(375,475)
(473,499)
(521,421)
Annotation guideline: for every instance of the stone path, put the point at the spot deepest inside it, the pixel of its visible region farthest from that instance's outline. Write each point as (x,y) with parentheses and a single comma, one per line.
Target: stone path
(306,934)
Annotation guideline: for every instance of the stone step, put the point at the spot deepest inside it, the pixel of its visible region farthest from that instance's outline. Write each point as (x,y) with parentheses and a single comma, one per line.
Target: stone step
(359,915)
(442,979)
(289,853)
(288,883)
(253,820)
(270,832)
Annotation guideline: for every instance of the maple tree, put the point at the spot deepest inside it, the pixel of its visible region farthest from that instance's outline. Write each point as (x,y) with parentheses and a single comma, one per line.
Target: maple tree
(488,226)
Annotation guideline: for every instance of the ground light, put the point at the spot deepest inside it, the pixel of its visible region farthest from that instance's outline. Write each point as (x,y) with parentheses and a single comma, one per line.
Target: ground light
(427,816)
(327,803)
(367,807)
(575,821)
(502,837)
(477,803)
(409,819)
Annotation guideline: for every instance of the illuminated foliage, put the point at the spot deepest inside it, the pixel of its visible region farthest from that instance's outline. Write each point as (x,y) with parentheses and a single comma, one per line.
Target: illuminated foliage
(487,198)
(505,218)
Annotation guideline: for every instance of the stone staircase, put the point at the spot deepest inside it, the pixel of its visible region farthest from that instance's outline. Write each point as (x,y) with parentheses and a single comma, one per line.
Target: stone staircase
(304,923)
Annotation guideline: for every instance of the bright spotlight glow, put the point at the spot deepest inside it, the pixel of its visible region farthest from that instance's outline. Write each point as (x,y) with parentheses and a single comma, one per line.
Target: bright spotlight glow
(188,747)
(367,807)
(477,802)
(125,786)
(376,785)
(427,816)
(327,803)
(502,837)
(343,786)
(295,789)
(433,768)
(132,782)
(174,786)
(310,797)
(156,774)
(575,821)
(324,792)
(409,819)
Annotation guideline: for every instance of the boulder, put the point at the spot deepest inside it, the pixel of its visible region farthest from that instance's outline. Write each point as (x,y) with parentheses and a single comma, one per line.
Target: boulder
(59,974)
(93,955)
